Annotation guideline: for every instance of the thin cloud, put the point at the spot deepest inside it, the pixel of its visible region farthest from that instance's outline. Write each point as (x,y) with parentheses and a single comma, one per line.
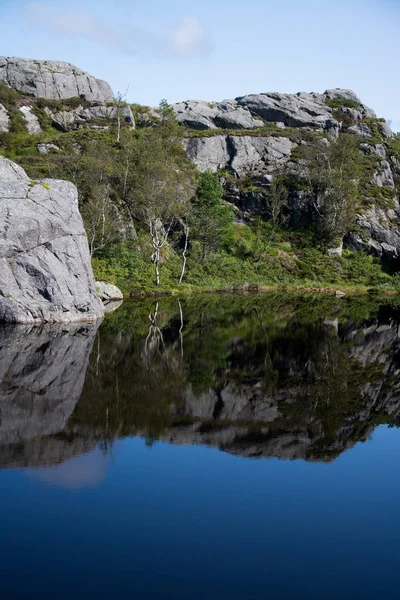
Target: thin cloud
(188,39)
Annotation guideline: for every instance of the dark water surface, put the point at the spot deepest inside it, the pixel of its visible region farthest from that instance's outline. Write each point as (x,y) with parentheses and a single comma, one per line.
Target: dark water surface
(212,447)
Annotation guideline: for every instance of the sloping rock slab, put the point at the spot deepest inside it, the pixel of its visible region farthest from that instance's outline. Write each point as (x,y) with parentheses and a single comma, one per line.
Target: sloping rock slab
(45,269)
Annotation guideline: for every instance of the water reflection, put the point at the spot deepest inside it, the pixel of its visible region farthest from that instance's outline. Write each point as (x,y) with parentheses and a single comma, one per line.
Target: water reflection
(42,373)
(256,376)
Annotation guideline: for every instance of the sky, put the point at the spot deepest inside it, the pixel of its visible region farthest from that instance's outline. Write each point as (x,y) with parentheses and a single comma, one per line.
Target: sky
(217,49)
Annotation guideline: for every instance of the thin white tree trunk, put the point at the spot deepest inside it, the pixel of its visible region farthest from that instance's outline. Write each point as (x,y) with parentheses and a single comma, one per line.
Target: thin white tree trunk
(184,258)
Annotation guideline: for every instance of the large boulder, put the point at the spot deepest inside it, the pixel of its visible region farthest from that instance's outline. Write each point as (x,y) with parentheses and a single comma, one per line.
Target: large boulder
(45,269)
(108,292)
(52,79)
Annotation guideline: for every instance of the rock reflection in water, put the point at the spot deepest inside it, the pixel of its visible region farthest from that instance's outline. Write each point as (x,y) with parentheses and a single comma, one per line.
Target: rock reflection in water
(42,372)
(256,376)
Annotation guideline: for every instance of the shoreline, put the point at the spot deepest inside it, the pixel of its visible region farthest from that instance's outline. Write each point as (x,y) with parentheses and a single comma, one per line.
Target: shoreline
(338,291)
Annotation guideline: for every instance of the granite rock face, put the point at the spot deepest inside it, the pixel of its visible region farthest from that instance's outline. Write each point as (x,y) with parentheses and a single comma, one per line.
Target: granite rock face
(196,114)
(52,80)
(45,269)
(293,110)
(242,154)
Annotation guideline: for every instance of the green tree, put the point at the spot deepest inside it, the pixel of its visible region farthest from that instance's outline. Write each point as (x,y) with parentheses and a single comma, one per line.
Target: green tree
(211,219)
(332,174)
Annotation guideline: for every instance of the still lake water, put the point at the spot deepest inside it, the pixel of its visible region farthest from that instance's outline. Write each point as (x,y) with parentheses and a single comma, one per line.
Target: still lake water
(212,447)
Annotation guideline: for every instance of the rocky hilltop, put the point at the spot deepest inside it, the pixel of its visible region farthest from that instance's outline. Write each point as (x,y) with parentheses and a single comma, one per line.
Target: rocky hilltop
(45,270)
(52,115)
(52,79)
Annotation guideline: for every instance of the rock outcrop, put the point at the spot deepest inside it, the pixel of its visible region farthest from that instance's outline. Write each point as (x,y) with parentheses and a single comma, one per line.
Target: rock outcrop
(241,154)
(301,110)
(96,116)
(293,110)
(45,270)
(229,114)
(52,80)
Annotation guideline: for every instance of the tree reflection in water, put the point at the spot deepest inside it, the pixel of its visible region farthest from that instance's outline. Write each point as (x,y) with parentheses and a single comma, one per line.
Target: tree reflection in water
(259,376)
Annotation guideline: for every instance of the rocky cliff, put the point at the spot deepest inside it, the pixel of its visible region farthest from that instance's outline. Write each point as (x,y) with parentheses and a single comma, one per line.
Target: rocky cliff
(45,270)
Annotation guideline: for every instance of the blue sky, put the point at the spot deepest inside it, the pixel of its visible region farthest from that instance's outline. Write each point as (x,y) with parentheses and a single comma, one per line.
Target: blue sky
(217,49)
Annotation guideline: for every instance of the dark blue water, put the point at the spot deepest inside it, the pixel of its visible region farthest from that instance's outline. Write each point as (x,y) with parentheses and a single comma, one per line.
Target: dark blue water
(90,510)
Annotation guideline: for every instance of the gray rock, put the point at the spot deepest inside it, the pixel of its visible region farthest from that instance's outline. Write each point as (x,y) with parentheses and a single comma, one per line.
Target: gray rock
(70,119)
(342,94)
(52,79)
(363,111)
(353,113)
(31,120)
(386,130)
(255,154)
(242,154)
(208,152)
(376,149)
(45,270)
(196,114)
(46,148)
(108,291)
(362,130)
(292,110)
(4,120)
(384,177)
(338,251)
(377,230)
(390,251)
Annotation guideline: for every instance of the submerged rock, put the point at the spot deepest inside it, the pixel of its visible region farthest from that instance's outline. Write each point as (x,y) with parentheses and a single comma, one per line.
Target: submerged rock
(45,269)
